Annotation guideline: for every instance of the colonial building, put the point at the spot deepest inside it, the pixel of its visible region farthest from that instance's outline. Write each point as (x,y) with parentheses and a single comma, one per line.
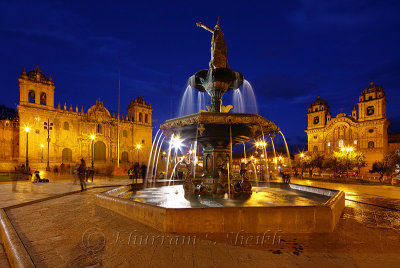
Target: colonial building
(366,129)
(64,134)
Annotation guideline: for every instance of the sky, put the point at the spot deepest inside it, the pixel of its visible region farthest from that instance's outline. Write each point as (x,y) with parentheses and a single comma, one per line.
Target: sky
(289,51)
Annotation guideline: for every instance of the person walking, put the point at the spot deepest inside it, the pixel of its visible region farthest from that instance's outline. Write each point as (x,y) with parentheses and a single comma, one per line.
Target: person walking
(82,174)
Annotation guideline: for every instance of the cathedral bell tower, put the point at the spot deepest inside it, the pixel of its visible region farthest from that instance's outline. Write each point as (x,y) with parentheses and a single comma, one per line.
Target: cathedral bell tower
(372,103)
(36,89)
(318,114)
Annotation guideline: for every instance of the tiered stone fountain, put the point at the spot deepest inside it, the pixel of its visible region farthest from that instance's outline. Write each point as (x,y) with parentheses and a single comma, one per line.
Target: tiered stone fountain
(216,130)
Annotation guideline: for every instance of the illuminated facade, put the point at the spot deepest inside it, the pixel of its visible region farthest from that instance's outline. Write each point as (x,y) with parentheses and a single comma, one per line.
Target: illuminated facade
(366,129)
(69,129)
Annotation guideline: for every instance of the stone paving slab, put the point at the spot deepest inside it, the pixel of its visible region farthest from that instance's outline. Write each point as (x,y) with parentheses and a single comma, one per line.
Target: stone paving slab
(72,231)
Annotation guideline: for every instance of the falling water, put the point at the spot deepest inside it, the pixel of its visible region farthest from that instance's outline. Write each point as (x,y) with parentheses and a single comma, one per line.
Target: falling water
(287,150)
(244,100)
(158,157)
(187,102)
(168,157)
(152,163)
(151,151)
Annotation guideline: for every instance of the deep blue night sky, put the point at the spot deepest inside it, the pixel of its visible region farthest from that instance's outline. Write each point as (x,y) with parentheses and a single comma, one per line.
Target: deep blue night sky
(290,51)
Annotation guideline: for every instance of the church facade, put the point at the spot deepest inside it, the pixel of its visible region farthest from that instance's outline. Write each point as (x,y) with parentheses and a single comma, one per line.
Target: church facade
(66,134)
(366,129)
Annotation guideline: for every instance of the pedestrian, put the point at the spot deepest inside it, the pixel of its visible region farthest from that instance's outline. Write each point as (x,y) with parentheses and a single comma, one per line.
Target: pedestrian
(82,174)
(131,173)
(136,171)
(144,170)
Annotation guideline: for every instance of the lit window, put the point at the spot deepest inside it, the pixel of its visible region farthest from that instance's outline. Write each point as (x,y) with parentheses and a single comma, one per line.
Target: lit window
(355,142)
(329,144)
(340,143)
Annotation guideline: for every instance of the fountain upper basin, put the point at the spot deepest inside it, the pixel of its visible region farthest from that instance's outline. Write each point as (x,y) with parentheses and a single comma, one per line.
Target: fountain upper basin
(214,127)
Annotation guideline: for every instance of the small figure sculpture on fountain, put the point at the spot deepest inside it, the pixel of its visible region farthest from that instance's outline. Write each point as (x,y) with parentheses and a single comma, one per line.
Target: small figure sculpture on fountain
(218,47)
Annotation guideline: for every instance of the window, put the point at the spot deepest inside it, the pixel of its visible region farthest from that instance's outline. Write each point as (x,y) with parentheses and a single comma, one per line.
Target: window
(370,98)
(370,110)
(371,144)
(340,143)
(371,130)
(66,126)
(125,133)
(99,129)
(329,144)
(316,109)
(355,142)
(316,120)
(43,98)
(31,96)
(146,118)
(142,141)
(315,149)
(315,137)
(140,117)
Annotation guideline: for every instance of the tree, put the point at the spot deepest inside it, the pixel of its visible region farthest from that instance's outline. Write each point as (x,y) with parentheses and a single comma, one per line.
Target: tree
(387,166)
(343,161)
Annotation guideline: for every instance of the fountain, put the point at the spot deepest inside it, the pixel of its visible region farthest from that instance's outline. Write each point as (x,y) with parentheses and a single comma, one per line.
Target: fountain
(217,130)
(212,201)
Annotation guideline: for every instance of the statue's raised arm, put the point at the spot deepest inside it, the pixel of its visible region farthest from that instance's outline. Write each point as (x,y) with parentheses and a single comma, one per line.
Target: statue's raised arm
(218,47)
(199,24)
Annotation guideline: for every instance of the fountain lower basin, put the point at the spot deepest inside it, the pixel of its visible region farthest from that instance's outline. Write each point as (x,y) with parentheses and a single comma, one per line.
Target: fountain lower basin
(303,209)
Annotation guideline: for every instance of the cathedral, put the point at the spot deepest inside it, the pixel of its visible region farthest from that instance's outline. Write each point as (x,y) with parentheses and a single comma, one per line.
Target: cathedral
(366,129)
(44,133)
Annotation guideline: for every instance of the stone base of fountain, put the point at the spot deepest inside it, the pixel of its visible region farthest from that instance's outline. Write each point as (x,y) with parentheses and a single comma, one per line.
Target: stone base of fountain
(293,219)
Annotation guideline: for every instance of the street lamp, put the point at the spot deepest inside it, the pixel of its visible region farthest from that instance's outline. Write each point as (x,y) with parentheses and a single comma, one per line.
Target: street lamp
(26,160)
(302,164)
(92,138)
(48,126)
(348,150)
(138,147)
(41,145)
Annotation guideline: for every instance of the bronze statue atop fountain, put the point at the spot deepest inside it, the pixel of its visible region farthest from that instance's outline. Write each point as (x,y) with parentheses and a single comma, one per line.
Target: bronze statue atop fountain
(218,47)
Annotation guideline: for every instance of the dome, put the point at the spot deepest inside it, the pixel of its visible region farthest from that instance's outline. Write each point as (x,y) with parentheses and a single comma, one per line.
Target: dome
(319,101)
(372,88)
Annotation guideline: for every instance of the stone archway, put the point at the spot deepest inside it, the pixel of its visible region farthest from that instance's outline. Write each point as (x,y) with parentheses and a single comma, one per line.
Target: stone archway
(124,157)
(100,151)
(66,155)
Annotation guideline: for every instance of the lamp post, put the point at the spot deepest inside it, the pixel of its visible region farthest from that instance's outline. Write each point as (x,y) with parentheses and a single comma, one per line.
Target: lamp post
(48,126)
(41,145)
(348,150)
(302,164)
(138,147)
(92,138)
(27,135)
(262,145)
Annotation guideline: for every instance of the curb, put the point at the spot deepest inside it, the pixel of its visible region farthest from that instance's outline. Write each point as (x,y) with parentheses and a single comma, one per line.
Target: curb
(13,246)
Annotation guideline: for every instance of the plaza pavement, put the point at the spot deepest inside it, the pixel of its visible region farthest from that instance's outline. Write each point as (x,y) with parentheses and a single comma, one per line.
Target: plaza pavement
(72,231)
